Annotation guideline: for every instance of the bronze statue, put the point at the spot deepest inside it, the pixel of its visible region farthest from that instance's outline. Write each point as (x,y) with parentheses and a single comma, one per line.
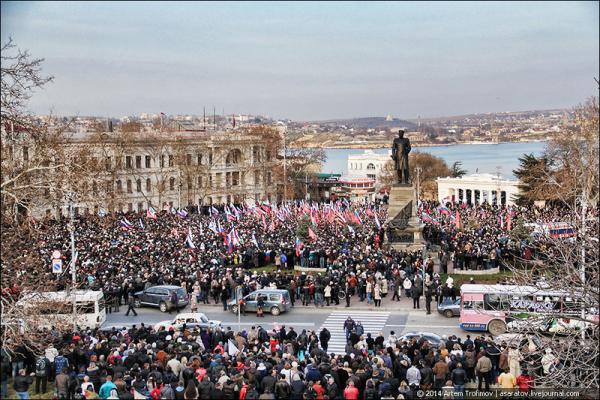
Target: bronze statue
(400,149)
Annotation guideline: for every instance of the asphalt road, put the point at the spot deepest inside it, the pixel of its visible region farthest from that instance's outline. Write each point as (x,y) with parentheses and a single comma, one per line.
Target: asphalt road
(309,318)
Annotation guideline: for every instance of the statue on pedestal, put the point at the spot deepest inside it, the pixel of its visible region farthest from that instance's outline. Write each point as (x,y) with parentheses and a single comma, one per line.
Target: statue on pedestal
(400,149)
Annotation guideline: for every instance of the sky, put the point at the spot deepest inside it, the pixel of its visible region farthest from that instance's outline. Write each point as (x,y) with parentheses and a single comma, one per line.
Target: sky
(308,61)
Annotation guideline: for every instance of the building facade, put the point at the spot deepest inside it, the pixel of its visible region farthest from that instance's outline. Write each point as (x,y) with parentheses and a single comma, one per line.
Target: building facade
(478,189)
(175,169)
(368,165)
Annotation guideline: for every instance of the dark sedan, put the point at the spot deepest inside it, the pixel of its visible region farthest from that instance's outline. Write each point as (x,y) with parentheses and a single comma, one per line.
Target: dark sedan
(160,296)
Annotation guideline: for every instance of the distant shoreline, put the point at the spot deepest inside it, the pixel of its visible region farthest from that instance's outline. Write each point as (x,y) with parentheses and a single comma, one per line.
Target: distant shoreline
(376,146)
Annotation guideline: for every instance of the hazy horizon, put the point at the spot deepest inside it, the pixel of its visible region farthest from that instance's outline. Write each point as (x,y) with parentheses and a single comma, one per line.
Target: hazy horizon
(309,61)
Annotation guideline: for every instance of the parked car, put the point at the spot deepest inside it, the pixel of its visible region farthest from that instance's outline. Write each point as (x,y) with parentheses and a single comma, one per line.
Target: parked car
(276,301)
(160,296)
(449,308)
(191,320)
(433,339)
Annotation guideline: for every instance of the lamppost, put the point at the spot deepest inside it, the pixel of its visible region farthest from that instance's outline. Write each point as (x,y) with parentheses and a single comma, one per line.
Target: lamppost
(418,173)
(284,167)
(72,197)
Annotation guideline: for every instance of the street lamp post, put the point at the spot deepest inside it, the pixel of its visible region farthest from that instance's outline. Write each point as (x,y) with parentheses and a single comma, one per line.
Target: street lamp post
(418,171)
(284,168)
(71,197)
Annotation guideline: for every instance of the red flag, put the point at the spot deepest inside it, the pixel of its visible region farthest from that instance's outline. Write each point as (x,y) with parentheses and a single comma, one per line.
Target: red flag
(312,235)
(264,222)
(508,221)
(457,220)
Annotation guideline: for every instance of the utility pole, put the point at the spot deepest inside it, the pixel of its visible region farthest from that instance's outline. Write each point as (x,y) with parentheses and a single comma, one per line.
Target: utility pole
(284,167)
(582,268)
(179,195)
(306,186)
(418,170)
(71,196)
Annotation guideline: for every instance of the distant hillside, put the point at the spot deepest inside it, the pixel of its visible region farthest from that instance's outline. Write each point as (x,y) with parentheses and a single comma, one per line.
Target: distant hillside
(369,123)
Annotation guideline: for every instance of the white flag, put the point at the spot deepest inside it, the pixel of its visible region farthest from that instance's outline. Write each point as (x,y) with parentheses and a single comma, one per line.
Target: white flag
(232,348)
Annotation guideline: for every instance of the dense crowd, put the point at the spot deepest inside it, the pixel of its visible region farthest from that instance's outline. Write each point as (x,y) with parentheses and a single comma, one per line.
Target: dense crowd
(344,239)
(259,364)
(211,253)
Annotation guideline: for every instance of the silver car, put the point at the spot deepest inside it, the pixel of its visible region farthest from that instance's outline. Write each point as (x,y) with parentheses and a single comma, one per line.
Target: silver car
(276,301)
(449,308)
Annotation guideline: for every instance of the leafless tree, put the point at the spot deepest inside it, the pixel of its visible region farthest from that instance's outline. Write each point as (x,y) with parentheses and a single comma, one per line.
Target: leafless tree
(568,265)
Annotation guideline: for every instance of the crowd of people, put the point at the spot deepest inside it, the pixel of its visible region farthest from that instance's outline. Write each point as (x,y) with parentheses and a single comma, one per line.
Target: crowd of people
(211,253)
(116,252)
(198,363)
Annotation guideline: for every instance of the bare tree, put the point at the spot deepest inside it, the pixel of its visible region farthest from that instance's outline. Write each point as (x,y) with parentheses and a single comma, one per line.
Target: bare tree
(569,267)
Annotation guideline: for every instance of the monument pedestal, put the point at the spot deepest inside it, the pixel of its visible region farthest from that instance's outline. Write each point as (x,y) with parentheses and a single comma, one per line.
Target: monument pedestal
(404,230)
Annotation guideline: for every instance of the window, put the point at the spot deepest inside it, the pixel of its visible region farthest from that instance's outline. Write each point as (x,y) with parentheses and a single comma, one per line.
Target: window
(140,207)
(88,307)
(107,163)
(219,178)
(138,185)
(162,161)
(119,186)
(210,158)
(148,162)
(199,181)
(269,178)
(250,297)
(274,297)
(199,159)
(473,305)
(172,184)
(119,162)
(256,154)
(128,162)
(235,178)
(210,180)
(188,159)
(25,153)
(148,185)
(234,157)
(109,187)
(171,158)
(129,188)
(370,166)
(130,207)
(138,162)
(371,176)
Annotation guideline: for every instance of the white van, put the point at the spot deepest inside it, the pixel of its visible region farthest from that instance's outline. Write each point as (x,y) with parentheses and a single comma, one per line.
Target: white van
(46,309)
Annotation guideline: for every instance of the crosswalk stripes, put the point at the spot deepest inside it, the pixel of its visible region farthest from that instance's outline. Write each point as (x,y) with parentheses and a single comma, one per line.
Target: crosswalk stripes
(372,321)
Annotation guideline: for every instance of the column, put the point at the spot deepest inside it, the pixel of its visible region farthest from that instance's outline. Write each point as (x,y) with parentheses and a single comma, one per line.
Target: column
(473,196)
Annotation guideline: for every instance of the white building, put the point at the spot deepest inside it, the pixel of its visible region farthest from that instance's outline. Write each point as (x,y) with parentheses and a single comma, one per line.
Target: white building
(478,189)
(367,165)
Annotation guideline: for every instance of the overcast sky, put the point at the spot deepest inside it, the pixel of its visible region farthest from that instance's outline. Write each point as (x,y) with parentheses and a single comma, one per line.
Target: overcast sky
(309,61)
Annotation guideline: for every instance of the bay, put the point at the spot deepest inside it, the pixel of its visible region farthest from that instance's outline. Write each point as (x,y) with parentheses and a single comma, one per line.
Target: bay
(475,158)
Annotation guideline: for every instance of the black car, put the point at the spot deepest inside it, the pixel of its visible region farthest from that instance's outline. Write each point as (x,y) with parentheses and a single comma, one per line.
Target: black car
(160,296)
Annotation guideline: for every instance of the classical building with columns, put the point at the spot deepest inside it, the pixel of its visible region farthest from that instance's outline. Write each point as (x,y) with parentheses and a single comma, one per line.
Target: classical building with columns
(478,189)
(368,165)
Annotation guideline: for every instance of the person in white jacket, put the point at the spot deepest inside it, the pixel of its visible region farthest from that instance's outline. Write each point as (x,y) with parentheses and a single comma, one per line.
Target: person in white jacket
(407,286)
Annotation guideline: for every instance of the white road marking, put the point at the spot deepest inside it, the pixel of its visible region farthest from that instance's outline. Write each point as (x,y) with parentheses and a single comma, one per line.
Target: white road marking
(372,322)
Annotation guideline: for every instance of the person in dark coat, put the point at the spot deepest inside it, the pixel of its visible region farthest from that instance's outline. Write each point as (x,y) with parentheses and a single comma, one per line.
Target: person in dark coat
(324,337)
